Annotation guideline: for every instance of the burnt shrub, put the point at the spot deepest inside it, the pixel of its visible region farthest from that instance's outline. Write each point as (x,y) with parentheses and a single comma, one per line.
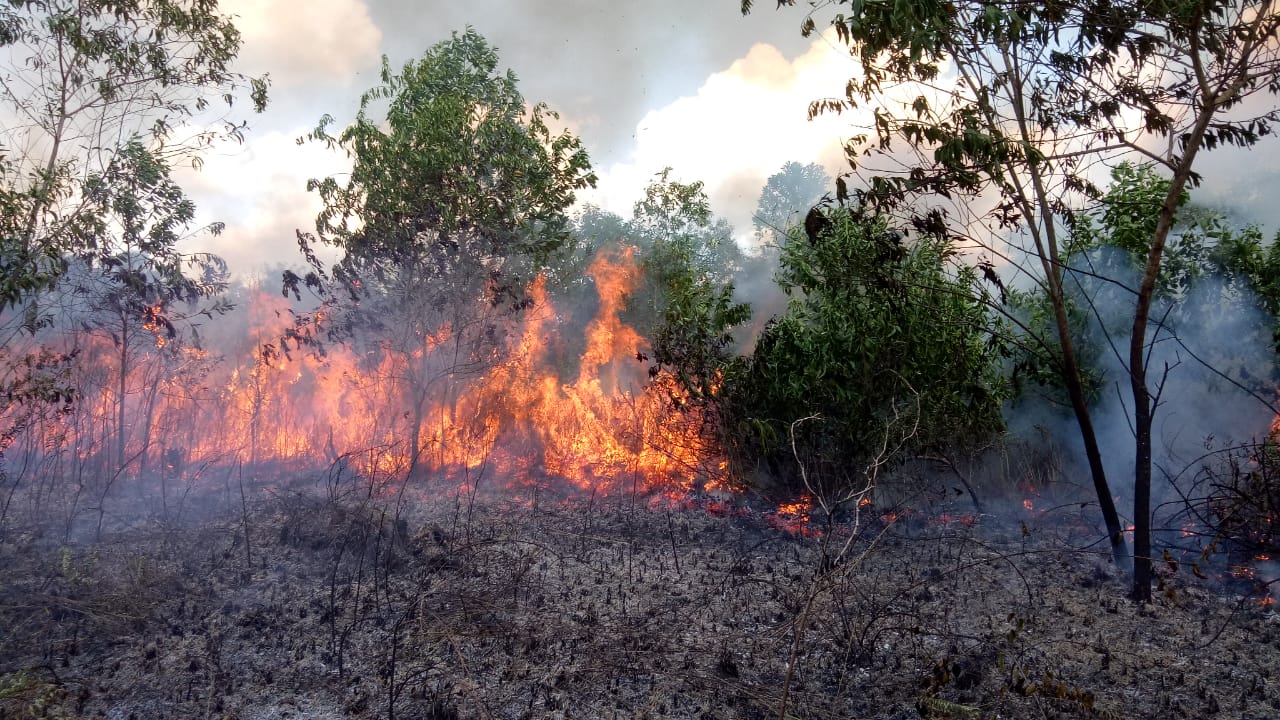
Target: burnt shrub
(1244,498)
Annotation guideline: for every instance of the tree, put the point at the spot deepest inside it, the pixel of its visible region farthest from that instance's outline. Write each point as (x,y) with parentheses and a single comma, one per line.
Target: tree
(786,197)
(99,98)
(1020,100)
(689,262)
(681,246)
(883,338)
(1211,298)
(82,80)
(140,289)
(456,198)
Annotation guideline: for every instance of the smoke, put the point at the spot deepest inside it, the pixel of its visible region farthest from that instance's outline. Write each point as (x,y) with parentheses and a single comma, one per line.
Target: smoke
(607,64)
(305,46)
(259,190)
(1212,366)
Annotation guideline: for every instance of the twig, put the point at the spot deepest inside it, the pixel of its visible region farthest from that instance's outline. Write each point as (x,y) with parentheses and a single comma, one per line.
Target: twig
(244,519)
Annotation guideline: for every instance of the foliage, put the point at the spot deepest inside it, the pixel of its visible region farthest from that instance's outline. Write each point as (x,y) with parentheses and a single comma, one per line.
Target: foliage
(675,218)
(694,336)
(138,290)
(786,197)
(456,199)
(1209,264)
(83,81)
(878,327)
(1203,244)
(136,205)
(689,259)
(1020,100)
(1037,355)
(457,177)
(101,99)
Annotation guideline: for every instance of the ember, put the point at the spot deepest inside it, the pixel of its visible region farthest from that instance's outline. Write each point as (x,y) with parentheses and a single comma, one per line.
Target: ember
(793,518)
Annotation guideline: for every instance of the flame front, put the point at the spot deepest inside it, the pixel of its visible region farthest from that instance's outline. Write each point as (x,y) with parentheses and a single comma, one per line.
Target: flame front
(407,411)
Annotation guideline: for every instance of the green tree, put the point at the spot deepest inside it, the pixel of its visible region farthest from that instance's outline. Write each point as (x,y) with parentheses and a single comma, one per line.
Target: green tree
(881,352)
(82,79)
(456,198)
(684,249)
(140,290)
(786,197)
(1210,265)
(1215,273)
(1021,100)
(99,100)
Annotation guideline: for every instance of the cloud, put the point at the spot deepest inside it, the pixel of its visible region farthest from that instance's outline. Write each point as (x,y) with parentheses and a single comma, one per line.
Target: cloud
(740,127)
(308,42)
(605,63)
(259,191)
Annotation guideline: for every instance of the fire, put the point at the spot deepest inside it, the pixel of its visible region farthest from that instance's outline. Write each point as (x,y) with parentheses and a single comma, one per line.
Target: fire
(1029,505)
(965,519)
(793,517)
(409,409)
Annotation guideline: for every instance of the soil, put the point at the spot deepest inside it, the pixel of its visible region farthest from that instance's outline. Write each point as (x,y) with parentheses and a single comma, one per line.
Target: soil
(619,608)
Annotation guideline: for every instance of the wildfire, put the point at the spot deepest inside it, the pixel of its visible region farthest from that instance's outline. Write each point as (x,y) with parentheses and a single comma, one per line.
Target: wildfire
(1242,572)
(153,322)
(413,409)
(965,519)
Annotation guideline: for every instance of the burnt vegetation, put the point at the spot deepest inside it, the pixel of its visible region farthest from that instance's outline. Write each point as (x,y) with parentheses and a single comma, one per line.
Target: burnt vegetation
(611,609)
(486,454)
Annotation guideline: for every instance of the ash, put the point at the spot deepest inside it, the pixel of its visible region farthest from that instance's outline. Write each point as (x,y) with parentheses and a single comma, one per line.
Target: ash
(340,607)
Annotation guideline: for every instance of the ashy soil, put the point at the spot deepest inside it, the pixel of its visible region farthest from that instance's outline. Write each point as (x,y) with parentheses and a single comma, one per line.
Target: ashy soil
(338,608)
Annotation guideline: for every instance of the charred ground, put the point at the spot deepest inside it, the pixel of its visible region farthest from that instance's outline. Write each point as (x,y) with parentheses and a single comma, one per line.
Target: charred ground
(338,608)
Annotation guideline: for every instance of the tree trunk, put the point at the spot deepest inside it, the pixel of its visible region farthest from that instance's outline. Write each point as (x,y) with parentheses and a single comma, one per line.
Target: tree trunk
(1047,248)
(121,388)
(1143,409)
(1080,406)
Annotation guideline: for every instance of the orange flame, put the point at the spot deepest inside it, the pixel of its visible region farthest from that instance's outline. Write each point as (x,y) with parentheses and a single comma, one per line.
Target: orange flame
(793,517)
(382,413)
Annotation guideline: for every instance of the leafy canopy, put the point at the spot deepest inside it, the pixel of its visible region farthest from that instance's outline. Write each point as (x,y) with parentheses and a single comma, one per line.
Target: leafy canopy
(457,169)
(880,334)
(82,81)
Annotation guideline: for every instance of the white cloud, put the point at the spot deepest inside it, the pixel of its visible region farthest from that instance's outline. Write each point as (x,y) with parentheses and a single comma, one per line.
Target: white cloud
(303,42)
(259,191)
(743,124)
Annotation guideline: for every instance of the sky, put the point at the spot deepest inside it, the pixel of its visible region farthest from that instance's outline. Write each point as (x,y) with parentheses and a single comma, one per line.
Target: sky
(691,84)
(719,97)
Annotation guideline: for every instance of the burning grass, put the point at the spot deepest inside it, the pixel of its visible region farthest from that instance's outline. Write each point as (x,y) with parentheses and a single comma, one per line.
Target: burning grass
(517,536)
(517,396)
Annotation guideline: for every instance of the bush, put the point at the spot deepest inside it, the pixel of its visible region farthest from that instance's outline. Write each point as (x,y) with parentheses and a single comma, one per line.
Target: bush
(883,351)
